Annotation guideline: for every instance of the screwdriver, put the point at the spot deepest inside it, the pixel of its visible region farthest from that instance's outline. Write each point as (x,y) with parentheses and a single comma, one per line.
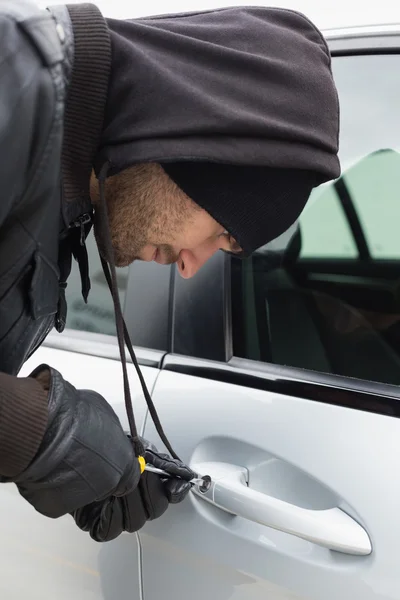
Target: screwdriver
(204,483)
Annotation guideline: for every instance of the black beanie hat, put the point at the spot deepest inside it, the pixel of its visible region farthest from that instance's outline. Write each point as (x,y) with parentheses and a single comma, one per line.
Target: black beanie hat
(255,204)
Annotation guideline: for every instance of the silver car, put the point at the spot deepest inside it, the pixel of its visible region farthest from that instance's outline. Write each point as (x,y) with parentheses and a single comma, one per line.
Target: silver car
(277,375)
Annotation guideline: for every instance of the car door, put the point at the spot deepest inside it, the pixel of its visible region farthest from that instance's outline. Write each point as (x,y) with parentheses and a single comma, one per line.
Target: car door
(304,454)
(45,559)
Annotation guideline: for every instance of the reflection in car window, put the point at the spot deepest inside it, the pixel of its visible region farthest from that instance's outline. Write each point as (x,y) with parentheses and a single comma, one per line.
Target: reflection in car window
(374,187)
(369,92)
(324,227)
(98,314)
(333,303)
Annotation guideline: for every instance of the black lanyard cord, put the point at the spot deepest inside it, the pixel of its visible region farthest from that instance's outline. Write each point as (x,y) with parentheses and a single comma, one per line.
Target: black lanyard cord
(108,264)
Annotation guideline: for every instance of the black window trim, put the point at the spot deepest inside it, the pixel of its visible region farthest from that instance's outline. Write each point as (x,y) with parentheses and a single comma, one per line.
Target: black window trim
(376,39)
(368,396)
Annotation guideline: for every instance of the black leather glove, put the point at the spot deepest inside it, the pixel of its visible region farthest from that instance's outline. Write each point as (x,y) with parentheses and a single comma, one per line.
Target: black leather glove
(107,519)
(84,456)
(176,488)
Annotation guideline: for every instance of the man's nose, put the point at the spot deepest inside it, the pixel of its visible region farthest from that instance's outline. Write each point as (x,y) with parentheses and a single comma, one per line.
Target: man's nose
(190,261)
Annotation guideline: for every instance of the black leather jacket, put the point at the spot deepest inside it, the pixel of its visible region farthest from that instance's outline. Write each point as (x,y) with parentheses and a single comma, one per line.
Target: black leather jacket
(44,213)
(31,128)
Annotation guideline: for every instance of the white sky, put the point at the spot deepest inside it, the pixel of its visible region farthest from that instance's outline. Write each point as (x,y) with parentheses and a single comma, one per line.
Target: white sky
(324,13)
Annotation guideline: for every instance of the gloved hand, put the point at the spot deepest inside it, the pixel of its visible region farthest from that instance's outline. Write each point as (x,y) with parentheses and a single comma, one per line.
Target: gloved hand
(177,487)
(107,519)
(85,454)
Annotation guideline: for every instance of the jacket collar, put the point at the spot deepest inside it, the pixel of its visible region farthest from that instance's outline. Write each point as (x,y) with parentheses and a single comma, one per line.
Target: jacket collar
(84,108)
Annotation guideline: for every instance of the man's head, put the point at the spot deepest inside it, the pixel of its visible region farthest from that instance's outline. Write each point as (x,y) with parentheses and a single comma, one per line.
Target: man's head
(228,132)
(152,219)
(184,212)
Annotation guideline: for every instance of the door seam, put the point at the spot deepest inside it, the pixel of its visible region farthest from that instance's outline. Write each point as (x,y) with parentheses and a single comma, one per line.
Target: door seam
(140,567)
(138,540)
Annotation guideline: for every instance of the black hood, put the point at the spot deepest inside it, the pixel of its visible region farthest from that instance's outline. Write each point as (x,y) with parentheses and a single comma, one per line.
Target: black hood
(244,86)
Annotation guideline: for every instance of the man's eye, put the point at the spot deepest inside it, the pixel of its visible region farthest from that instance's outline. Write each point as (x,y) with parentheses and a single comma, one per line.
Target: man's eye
(227,236)
(234,247)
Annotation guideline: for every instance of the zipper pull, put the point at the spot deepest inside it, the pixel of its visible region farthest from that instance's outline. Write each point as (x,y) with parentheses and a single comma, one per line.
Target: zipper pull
(80,222)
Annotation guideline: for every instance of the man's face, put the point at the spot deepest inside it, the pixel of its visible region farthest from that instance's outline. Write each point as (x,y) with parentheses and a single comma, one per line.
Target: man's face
(151,219)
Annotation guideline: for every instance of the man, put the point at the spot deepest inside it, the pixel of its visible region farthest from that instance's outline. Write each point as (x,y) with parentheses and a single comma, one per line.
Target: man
(179,136)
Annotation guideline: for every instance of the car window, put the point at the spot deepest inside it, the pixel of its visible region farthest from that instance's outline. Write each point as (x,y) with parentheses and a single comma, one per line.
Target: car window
(332,301)
(374,186)
(370,190)
(98,314)
(325,230)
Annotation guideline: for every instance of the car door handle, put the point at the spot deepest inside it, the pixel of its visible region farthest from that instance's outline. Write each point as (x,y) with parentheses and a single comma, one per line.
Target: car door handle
(331,528)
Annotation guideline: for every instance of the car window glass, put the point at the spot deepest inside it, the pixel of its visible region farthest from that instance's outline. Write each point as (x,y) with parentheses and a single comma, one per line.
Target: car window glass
(374,187)
(331,302)
(98,314)
(324,227)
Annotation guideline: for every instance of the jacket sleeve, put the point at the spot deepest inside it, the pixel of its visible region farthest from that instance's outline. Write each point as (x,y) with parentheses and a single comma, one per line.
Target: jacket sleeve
(23,421)
(23,402)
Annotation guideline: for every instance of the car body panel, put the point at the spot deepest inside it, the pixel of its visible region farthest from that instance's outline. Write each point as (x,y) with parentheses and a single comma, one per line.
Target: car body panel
(200,547)
(45,559)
